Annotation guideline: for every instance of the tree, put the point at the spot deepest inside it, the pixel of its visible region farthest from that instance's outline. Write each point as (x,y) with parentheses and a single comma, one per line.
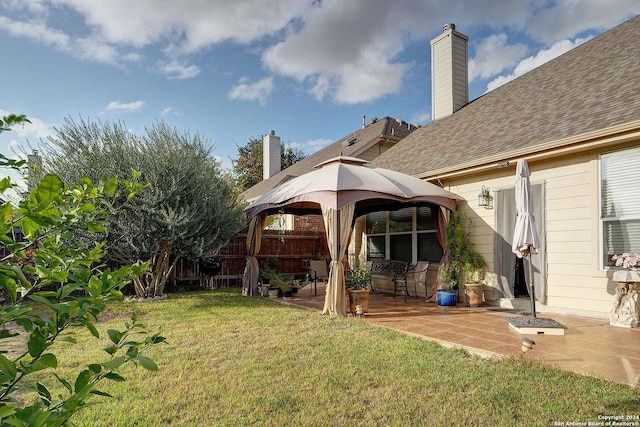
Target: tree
(248,164)
(72,287)
(12,119)
(189,210)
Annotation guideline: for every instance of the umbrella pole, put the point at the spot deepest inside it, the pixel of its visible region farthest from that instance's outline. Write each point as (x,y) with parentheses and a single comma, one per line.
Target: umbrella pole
(532,291)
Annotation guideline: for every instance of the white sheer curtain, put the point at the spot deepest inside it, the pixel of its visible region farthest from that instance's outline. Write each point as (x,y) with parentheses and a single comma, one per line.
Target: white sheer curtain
(251,270)
(337,225)
(441,217)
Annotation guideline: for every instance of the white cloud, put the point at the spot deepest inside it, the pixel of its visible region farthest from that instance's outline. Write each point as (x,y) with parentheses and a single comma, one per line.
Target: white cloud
(36,129)
(341,54)
(16,143)
(179,71)
(532,62)
(567,19)
(422,117)
(315,145)
(321,87)
(127,107)
(346,51)
(169,111)
(258,91)
(37,32)
(189,25)
(493,55)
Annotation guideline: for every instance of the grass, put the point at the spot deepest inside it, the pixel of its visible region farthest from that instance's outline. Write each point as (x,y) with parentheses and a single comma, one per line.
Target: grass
(232,360)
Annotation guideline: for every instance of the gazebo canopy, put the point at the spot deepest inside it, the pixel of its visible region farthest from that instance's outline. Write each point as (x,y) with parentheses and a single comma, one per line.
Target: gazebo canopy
(341,181)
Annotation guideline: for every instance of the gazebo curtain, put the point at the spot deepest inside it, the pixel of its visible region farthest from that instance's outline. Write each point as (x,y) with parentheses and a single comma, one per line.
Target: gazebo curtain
(337,224)
(251,270)
(441,216)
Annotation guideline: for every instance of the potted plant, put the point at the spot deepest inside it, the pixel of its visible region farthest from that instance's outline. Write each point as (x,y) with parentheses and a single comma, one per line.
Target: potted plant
(473,268)
(280,283)
(268,270)
(462,260)
(295,286)
(286,290)
(358,283)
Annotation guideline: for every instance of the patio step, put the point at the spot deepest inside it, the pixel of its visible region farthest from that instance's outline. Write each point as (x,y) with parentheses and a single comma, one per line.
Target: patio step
(517,304)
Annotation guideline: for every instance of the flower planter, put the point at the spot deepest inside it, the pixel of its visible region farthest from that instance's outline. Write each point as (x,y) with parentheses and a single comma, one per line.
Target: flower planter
(474,293)
(626,276)
(358,297)
(274,292)
(447,297)
(264,290)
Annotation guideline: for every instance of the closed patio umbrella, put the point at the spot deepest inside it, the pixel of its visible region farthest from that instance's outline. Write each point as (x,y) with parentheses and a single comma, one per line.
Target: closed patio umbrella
(525,238)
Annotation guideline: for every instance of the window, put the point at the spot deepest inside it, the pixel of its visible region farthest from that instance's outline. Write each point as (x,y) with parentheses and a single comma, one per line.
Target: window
(406,234)
(376,223)
(400,247)
(375,247)
(619,205)
(282,222)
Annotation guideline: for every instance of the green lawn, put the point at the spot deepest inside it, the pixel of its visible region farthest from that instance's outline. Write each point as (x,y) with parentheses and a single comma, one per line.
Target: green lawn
(233,360)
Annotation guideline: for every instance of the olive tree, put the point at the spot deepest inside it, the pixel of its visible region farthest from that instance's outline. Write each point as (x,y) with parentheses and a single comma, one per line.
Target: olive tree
(189,209)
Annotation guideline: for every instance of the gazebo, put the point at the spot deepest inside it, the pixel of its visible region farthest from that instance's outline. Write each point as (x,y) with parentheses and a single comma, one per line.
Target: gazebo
(340,189)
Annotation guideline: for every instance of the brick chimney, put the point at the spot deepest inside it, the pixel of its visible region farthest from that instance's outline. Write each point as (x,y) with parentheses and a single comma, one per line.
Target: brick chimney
(271,155)
(449,72)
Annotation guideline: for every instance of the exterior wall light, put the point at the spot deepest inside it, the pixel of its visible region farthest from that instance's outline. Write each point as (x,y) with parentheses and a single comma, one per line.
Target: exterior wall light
(485,199)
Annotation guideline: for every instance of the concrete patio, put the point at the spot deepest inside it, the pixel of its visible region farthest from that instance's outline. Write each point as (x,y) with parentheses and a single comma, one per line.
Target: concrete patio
(589,346)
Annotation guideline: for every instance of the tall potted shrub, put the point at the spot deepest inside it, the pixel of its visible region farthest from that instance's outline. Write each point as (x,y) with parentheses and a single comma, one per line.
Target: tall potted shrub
(358,283)
(462,258)
(474,275)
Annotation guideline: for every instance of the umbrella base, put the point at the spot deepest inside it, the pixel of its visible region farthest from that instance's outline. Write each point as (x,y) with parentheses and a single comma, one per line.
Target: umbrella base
(531,325)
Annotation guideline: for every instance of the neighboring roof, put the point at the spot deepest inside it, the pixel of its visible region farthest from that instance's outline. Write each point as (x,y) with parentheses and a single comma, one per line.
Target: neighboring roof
(590,88)
(387,128)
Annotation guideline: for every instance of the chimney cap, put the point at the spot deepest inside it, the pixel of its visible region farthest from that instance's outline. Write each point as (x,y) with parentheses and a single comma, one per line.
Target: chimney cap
(272,132)
(447,27)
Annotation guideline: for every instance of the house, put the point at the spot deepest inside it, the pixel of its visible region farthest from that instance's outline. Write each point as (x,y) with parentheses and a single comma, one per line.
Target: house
(576,120)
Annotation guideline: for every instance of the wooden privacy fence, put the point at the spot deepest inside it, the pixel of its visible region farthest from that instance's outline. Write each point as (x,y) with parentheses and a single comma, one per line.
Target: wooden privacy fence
(292,249)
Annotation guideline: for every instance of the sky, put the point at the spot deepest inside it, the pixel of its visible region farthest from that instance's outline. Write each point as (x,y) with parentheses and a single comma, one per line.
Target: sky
(234,70)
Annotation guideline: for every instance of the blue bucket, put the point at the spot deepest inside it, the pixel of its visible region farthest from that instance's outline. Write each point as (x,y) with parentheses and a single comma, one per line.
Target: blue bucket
(447,298)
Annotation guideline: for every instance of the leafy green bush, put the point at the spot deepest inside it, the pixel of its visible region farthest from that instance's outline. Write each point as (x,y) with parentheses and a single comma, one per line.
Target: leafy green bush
(360,278)
(462,257)
(54,284)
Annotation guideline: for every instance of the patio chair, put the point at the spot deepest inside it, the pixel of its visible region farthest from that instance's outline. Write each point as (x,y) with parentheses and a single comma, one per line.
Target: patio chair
(317,271)
(418,276)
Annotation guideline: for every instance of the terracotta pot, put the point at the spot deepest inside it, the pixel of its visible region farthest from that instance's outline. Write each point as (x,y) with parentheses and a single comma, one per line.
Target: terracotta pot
(474,293)
(358,297)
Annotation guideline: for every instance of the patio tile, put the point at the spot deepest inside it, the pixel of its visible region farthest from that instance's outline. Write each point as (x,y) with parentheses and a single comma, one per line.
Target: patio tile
(589,346)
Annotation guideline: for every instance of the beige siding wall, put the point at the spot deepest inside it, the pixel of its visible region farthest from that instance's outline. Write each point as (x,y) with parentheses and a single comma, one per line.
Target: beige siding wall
(574,281)
(373,152)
